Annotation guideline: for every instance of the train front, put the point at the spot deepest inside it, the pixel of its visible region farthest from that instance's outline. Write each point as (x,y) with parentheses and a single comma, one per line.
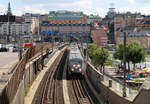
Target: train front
(76,66)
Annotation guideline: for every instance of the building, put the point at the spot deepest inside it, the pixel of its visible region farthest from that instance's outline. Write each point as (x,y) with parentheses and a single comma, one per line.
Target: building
(125,20)
(14,30)
(142,36)
(66,24)
(99,37)
(34,20)
(67,17)
(93,18)
(66,30)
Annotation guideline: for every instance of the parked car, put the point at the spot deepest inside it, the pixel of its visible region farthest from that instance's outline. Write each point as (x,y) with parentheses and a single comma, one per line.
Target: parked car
(3,49)
(15,49)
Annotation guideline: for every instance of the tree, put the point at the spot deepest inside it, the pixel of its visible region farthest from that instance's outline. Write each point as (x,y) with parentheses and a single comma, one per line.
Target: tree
(137,53)
(98,55)
(91,50)
(134,53)
(101,56)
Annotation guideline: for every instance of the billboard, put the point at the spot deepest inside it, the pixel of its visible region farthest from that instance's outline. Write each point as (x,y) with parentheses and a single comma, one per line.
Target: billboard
(6,18)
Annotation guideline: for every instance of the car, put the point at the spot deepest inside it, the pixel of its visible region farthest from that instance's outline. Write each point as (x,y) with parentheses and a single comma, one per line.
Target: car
(3,49)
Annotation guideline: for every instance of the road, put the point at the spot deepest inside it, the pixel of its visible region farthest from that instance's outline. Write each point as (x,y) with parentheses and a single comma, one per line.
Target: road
(7,61)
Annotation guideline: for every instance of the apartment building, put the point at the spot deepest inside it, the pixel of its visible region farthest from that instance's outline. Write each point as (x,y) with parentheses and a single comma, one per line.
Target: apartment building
(142,36)
(99,36)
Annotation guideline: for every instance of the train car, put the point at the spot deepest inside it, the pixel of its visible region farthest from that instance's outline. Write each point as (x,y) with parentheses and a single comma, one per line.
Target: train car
(75,61)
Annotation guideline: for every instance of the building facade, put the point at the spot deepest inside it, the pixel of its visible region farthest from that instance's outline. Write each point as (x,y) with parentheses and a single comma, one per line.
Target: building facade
(66,24)
(12,31)
(125,22)
(142,36)
(34,20)
(67,17)
(99,37)
(64,29)
(93,18)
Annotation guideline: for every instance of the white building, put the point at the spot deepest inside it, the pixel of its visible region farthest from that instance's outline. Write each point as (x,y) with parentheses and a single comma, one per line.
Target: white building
(34,20)
(15,28)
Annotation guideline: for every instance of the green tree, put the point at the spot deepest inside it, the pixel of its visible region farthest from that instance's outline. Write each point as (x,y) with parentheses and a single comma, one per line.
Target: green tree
(134,53)
(101,56)
(98,55)
(91,50)
(137,53)
(119,52)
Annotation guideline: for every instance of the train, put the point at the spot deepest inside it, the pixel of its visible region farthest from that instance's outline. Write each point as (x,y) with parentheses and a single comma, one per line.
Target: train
(76,64)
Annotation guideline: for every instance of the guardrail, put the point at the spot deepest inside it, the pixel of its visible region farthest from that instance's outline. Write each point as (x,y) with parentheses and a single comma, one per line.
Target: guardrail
(8,93)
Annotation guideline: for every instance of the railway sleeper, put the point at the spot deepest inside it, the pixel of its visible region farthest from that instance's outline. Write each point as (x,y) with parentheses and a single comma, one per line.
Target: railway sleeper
(84,101)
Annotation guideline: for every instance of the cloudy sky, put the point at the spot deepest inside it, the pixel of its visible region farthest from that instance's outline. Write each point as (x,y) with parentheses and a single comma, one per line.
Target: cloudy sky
(99,7)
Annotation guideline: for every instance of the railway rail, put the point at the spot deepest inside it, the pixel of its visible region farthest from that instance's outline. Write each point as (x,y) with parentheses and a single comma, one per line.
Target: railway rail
(81,93)
(50,90)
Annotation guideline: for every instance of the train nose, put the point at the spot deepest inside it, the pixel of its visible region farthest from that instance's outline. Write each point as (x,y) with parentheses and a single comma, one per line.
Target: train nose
(76,66)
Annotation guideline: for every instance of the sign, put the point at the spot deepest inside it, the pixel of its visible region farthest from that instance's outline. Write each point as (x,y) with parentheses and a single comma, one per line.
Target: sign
(28,45)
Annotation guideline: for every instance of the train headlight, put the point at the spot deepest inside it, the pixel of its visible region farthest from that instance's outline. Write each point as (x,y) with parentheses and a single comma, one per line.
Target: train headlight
(72,69)
(80,70)
(79,65)
(74,65)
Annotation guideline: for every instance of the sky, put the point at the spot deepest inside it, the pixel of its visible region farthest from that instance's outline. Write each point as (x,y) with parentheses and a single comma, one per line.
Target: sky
(99,7)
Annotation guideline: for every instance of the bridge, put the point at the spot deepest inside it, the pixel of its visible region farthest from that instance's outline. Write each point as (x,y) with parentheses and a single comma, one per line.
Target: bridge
(40,77)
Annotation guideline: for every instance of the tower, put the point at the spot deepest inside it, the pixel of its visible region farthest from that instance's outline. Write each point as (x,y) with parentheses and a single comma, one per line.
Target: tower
(111,13)
(9,10)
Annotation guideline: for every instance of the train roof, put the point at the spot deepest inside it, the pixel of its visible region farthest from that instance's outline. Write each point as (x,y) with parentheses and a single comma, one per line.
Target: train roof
(75,54)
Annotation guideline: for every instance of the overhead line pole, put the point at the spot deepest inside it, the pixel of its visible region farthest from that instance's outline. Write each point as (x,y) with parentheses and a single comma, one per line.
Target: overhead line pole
(124,61)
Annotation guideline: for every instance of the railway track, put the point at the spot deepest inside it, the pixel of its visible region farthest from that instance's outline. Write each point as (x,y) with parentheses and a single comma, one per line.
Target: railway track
(81,93)
(50,89)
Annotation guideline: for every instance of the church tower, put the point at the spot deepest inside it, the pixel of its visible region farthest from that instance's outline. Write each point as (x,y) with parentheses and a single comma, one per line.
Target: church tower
(9,12)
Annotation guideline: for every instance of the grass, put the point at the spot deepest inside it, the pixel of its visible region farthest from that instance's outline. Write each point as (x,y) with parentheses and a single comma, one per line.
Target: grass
(28,88)
(137,80)
(26,91)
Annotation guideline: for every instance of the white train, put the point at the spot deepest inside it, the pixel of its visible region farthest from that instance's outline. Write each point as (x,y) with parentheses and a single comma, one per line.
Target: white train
(76,63)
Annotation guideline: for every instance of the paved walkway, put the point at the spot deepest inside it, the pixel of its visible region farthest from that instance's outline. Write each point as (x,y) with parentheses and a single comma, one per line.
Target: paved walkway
(30,96)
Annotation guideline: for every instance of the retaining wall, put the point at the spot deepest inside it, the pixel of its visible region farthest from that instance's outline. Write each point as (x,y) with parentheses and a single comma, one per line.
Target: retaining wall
(110,95)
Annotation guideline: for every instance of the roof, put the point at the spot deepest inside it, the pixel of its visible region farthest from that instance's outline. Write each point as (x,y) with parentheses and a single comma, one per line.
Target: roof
(75,52)
(65,13)
(49,24)
(135,34)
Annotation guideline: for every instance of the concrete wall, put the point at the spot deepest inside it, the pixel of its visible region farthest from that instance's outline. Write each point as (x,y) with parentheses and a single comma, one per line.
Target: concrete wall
(112,94)
(105,94)
(19,98)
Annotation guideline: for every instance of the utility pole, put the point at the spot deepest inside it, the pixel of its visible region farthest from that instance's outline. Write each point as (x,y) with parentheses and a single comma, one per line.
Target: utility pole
(20,47)
(8,31)
(124,61)
(86,47)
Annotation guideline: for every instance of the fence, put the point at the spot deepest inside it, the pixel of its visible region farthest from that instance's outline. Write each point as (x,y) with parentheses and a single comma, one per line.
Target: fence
(12,85)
